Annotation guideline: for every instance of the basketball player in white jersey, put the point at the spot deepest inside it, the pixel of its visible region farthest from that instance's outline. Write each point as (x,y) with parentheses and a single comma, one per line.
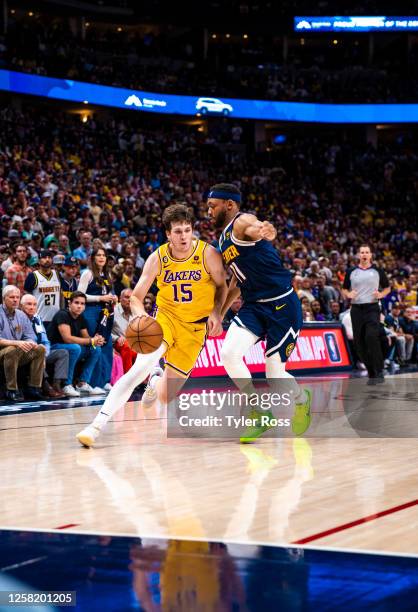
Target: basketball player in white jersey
(45,285)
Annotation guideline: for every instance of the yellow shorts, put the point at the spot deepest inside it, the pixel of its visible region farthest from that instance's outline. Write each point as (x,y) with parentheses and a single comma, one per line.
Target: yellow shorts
(184,342)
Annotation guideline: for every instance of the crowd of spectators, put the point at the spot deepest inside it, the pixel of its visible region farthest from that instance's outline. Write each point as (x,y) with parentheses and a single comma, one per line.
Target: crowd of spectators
(81,205)
(159,60)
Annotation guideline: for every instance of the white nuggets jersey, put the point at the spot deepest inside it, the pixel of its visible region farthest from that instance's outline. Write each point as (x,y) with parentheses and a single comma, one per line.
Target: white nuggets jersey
(47,292)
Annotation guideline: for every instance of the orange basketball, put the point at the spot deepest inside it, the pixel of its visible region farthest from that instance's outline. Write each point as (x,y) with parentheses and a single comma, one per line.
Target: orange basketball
(144,334)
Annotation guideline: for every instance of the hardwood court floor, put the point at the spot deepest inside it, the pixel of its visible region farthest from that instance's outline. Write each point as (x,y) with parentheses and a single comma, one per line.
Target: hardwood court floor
(349,493)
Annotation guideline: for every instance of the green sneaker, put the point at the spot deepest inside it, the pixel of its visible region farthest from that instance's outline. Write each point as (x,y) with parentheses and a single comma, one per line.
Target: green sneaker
(255,431)
(302,417)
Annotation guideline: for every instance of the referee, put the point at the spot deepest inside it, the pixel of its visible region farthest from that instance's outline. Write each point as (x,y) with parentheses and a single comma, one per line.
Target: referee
(365,285)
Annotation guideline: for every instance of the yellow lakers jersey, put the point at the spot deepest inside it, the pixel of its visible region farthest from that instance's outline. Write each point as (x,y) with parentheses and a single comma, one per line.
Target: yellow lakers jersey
(186,289)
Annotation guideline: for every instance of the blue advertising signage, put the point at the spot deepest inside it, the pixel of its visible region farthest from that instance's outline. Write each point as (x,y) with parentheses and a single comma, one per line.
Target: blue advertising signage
(147,102)
(355,24)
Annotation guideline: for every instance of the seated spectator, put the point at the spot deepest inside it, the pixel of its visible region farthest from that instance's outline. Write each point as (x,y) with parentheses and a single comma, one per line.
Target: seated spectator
(307,313)
(18,347)
(68,330)
(57,359)
(335,311)
(306,289)
(317,313)
(149,303)
(409,326)
(16,273)
(404,342)
(123,315)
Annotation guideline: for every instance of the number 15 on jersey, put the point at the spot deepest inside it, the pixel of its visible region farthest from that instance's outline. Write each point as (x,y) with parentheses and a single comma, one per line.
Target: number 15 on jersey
(182,292)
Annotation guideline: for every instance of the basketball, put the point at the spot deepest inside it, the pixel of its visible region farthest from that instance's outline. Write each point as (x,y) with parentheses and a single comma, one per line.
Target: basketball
(144,335)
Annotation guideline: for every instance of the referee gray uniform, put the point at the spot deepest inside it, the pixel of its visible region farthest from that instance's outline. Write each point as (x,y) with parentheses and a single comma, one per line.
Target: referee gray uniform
(365,315)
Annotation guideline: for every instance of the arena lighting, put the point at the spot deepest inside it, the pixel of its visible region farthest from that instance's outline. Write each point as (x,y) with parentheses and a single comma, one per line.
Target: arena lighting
(355,24)
(148,102)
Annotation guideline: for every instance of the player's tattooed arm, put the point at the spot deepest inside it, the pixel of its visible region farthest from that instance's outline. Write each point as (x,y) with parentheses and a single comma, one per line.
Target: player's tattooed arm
(248,227)
(150,271)
(214,265)
(233,293)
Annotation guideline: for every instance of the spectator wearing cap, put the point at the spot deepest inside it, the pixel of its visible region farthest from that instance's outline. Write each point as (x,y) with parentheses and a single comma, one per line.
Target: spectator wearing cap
(16,273)
(58,262)
(84,250)
(18,347)
(45,285)
(35,222)
(57,359)
(68,280)
(123,315)
(13,233)
(142,240)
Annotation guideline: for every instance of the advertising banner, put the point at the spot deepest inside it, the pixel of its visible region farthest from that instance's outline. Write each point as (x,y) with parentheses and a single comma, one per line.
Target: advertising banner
(319,347)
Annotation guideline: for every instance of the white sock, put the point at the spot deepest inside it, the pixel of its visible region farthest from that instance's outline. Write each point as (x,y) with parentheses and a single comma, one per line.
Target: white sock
(122,390)
(238,341)
(275,368)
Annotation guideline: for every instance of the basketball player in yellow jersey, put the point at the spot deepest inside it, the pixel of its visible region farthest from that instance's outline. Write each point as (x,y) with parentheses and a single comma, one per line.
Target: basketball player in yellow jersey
(192,289)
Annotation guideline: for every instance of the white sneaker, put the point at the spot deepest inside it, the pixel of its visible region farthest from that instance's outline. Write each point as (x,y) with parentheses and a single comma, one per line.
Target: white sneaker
(87,389)
(107,387)
(88,435)
(98,391)
(150,394)
(69,391)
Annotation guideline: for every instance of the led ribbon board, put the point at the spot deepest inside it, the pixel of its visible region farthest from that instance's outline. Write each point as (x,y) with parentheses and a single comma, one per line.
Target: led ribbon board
(355,24)
(264,110)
